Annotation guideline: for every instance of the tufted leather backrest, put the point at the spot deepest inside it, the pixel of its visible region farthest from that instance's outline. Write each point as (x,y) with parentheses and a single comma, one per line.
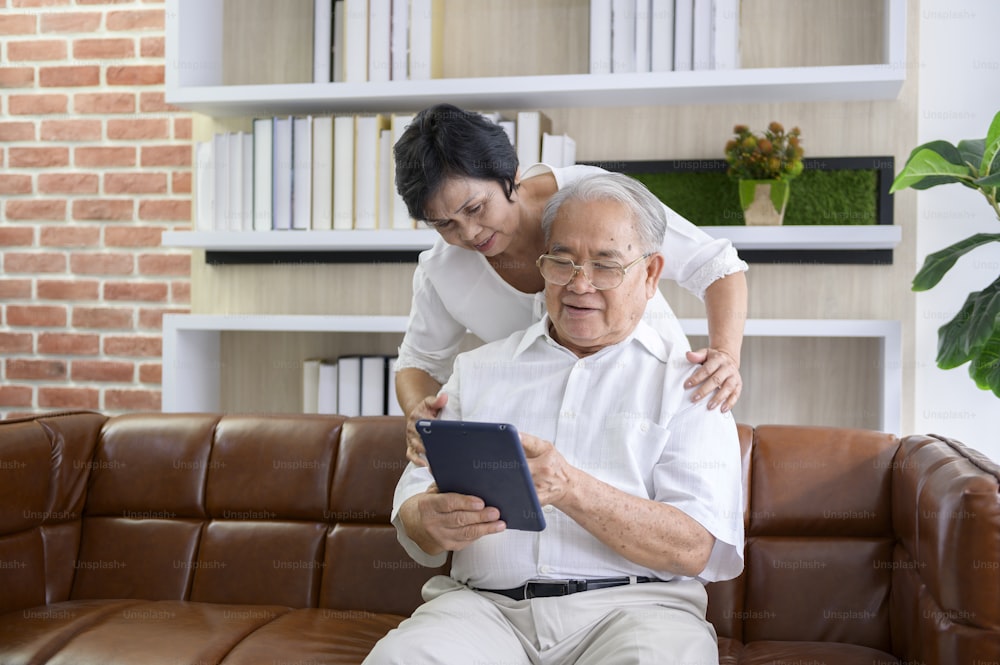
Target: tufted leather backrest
(820,527)
(276,510)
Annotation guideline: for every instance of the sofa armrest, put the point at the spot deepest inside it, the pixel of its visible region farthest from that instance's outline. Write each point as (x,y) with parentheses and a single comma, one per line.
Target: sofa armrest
(946,568)
(45,464)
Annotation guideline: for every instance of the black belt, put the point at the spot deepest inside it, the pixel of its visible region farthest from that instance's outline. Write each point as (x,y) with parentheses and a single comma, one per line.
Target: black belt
(549,588)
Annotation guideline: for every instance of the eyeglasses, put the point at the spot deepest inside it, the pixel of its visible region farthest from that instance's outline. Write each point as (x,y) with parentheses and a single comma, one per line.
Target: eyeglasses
(602,275)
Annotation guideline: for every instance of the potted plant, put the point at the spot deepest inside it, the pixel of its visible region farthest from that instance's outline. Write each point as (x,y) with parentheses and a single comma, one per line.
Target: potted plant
(973,336)
(764,164)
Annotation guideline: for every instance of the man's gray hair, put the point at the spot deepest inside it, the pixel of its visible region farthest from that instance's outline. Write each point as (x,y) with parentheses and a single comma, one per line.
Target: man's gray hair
(645,209)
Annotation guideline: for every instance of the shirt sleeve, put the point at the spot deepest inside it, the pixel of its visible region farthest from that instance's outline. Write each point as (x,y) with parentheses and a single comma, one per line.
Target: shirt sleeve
(693,258)
(700,474)
(433,336)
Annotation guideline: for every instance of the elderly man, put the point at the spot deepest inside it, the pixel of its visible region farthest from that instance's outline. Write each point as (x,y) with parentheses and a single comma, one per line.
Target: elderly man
(641,488)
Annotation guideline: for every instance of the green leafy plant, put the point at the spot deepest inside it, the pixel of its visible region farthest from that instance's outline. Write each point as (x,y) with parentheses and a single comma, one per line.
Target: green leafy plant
(771,155)
(973,336)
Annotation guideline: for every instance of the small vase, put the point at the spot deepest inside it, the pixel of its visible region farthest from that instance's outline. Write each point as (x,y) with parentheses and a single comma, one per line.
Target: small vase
(764,201)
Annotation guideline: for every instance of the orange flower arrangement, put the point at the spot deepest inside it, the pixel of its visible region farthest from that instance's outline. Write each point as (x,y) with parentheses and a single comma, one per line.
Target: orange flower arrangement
(773,155)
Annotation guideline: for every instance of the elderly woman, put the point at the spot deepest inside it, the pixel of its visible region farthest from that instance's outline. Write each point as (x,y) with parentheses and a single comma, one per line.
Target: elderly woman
(458,173)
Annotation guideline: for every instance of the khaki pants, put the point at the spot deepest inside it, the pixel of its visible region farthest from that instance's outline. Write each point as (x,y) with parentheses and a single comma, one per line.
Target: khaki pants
(654,623)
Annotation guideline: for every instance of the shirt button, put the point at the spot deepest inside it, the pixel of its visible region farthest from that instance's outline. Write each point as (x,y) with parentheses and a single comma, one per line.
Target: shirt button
(644,427)
(548,509)
(545,569)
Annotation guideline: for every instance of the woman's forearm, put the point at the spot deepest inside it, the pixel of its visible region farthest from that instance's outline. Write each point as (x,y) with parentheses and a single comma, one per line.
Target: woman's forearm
(413,386)
(726,307)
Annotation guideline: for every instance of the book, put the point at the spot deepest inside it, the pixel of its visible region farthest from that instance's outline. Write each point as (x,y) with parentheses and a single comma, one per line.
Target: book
(302,172)
(281,198)
(246,185)
(400,41)
(322,40)
(322,173)
(622,36)
(328,382)
(234,187)
(400,215)
(552,149)
(337,49)
(726,34)
(510,128)
(683,35)
(374,380)
(349,386)
(600,36)
(393,406)
(204,186)
(220,182)
(355,41)
(310,385)
(643,22)
(379,40)
(701,39)
(530,127)
(385,180)
(262,169)
(661,29)
(558,150)
(367,136)
(426,39)
(343,172)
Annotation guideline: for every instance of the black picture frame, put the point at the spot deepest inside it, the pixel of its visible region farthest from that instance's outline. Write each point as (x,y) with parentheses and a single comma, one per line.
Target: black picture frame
(883,166)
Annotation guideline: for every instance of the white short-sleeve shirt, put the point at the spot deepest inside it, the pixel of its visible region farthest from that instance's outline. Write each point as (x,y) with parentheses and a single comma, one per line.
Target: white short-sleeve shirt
(622,416)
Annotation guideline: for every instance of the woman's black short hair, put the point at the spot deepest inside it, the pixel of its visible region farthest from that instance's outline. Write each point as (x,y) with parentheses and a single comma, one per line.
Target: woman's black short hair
(445,141)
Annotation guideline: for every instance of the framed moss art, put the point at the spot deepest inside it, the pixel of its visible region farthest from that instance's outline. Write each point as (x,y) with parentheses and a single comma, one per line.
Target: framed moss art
(833,191)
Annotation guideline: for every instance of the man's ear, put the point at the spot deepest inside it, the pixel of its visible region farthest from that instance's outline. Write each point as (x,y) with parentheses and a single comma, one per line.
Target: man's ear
(654,268)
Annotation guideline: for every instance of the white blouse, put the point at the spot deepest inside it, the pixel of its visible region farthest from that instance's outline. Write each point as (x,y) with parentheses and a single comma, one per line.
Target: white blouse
(456,290)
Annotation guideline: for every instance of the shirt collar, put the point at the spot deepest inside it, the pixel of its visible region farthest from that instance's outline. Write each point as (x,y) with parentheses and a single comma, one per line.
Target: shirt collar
(644,334)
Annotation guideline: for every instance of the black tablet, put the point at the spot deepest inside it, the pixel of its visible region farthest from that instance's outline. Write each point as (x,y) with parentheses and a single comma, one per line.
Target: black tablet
(484,460)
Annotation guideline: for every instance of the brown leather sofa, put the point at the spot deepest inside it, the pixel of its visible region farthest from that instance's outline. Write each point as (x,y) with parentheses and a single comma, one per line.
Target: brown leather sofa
(201,539)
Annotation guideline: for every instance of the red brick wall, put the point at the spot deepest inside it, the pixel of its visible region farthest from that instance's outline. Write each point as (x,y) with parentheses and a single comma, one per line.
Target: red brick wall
(94,166)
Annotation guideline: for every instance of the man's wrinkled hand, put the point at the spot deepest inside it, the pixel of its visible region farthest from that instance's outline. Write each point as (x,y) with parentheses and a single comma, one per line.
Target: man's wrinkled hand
(452,521)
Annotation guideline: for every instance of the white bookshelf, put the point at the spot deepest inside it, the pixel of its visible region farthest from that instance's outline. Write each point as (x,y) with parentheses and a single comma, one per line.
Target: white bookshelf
(192,344)
(193,80)
(820,237)
(192,349)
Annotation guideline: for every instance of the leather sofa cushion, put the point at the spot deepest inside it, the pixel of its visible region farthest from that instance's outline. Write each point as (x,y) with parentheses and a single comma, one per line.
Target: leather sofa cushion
(170,632)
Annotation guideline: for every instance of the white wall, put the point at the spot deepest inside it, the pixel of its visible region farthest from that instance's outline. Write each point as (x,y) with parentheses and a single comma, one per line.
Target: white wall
(959,92)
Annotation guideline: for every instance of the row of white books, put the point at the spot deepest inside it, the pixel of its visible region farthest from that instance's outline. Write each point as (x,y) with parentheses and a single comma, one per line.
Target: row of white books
(376,40)
(329,172)
(361,385)
(663,35)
